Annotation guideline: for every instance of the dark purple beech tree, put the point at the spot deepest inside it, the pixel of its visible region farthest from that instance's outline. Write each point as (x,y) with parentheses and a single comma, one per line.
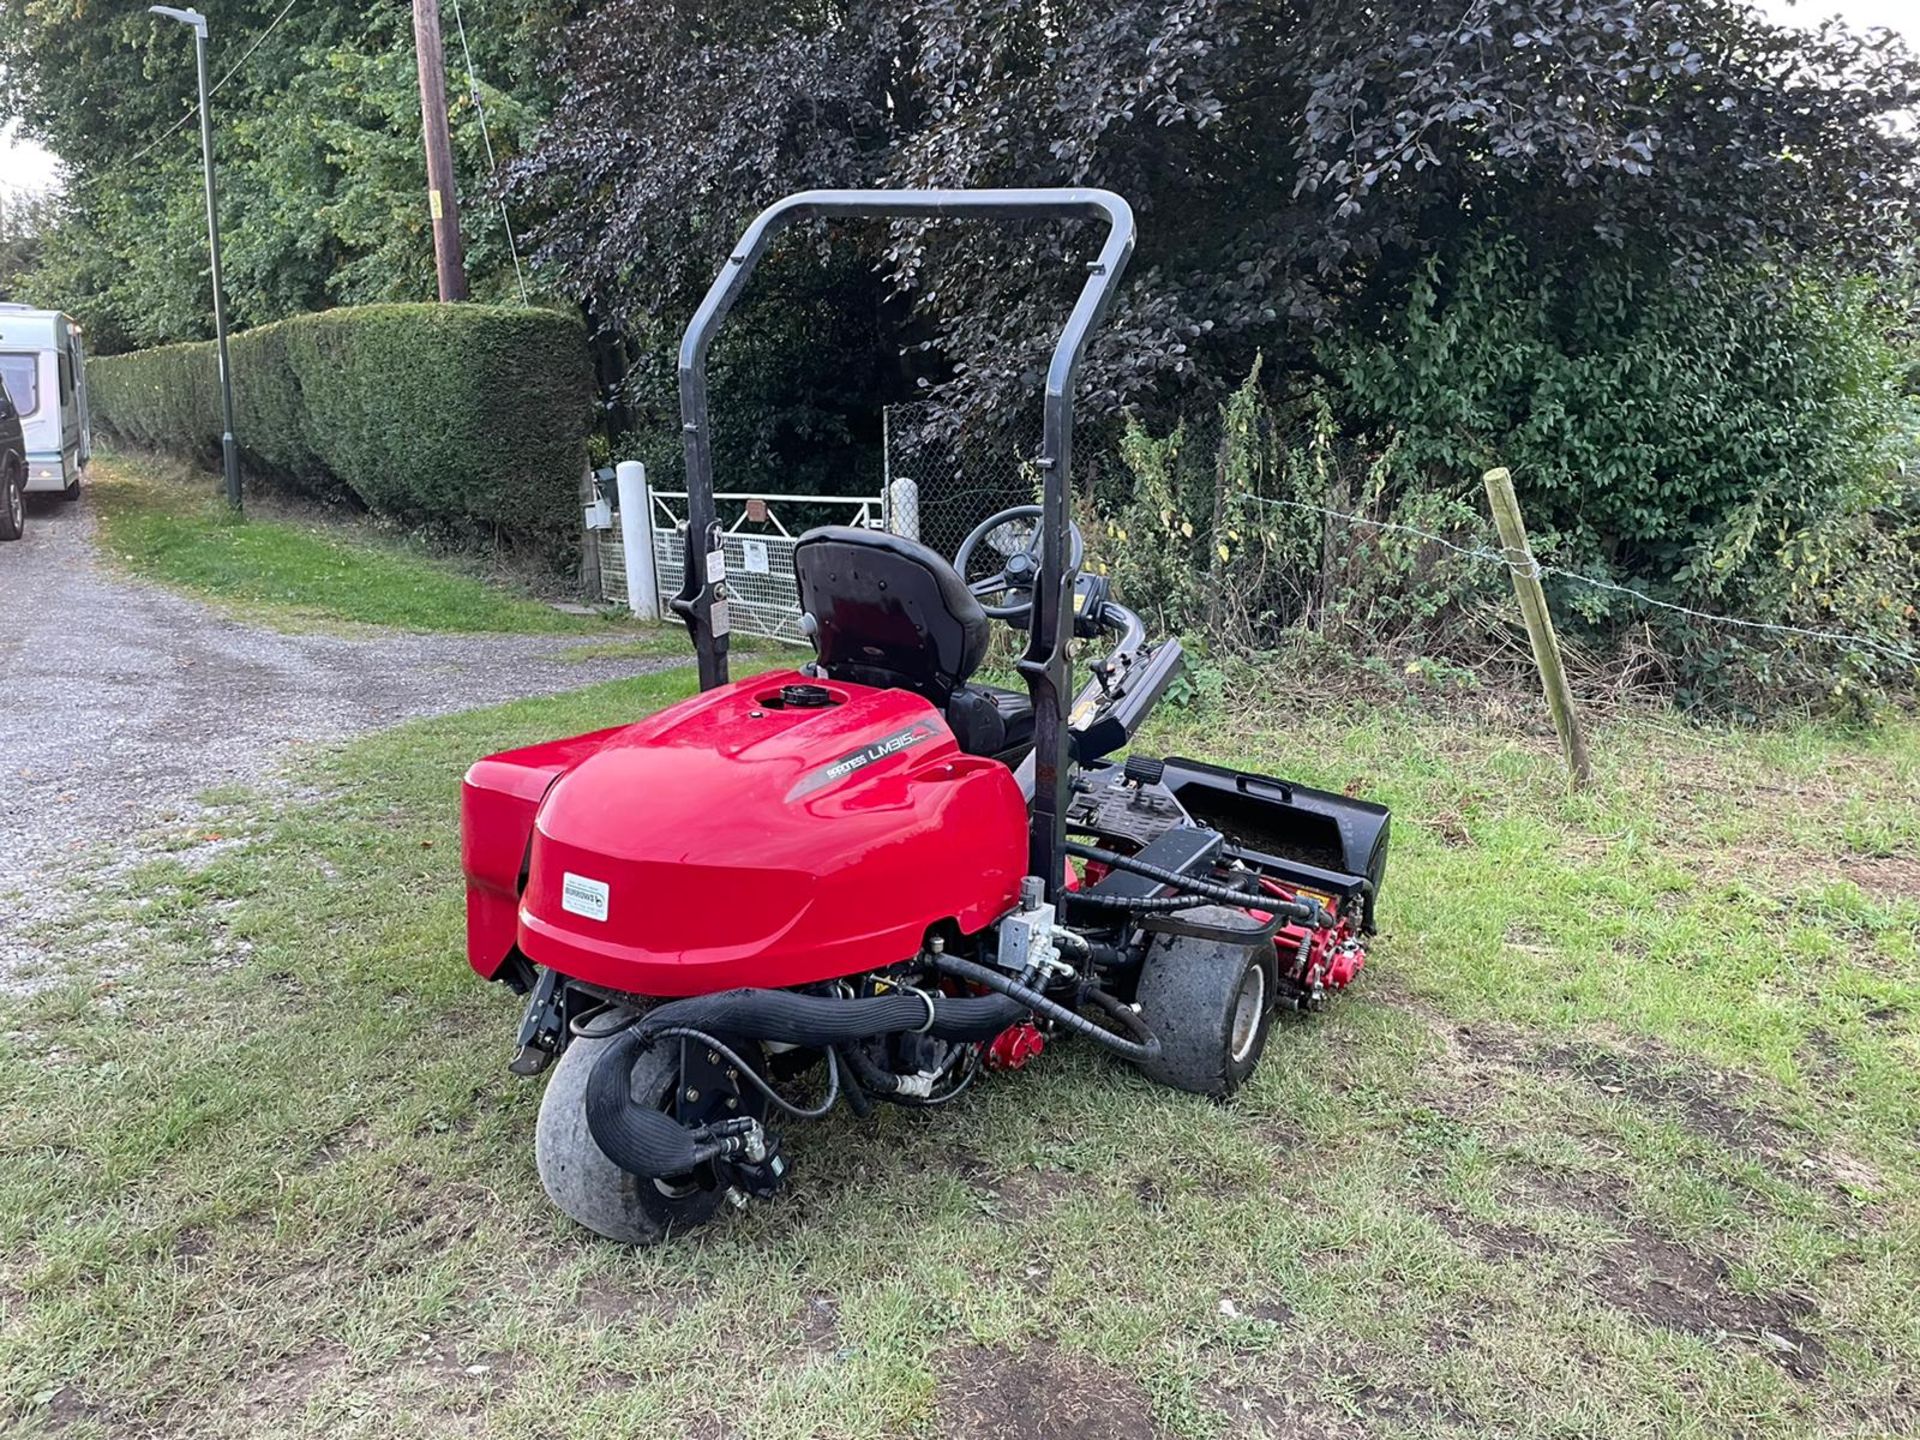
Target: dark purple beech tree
(1293,163)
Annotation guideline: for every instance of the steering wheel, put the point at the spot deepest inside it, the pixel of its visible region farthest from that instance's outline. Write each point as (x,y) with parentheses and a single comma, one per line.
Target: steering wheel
(1014,537)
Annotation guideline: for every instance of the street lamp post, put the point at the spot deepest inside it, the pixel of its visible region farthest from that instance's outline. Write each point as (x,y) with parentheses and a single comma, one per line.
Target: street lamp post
(229,459)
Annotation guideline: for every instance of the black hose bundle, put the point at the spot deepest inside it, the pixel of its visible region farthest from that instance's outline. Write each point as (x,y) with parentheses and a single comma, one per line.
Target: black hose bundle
(817,1021)
(639,1139)
(651,1143)
(1143,1046)
(1311,911)
(869,1076)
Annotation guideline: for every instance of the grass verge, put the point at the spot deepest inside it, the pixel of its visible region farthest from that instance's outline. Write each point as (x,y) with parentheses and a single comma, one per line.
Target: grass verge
(164,521)
(1615,1138)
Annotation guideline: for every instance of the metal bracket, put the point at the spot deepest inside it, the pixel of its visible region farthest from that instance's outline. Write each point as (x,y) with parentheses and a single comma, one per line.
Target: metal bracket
(543,1029)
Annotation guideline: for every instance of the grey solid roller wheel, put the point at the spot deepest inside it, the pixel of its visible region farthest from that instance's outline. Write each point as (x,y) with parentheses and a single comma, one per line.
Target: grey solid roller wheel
(589,1187)
(1210,1003)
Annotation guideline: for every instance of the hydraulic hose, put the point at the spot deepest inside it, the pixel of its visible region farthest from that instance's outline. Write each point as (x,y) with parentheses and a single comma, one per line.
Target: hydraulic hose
(650,1143)
(817,1021)
(1311,911)
(638,1138)
(747,1072)
(1120,1013)
(862,1072)
(857,1097)
(869,1076)
(1142,903)
(1147,1047)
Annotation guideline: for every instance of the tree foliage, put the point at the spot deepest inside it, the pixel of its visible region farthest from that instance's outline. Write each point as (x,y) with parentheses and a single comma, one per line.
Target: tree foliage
(1641,251)
(317,146)
(1293,162)
(1669,429)
(25,219)
(1737,445)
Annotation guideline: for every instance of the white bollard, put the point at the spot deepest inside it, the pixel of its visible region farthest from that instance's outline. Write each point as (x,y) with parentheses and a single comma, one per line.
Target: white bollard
(636,538)
(903,499)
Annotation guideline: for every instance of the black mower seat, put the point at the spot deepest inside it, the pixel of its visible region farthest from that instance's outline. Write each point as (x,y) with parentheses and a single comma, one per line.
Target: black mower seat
(885,610)
(990,721)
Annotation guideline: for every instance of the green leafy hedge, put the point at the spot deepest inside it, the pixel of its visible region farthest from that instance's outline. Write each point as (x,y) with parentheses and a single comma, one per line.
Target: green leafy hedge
(469,416)
(1740,442)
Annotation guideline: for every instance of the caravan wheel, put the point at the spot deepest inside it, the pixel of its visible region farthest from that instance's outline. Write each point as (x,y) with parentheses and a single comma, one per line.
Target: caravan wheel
(13,506)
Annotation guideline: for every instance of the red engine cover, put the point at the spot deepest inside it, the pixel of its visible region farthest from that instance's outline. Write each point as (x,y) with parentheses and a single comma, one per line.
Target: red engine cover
(731,840)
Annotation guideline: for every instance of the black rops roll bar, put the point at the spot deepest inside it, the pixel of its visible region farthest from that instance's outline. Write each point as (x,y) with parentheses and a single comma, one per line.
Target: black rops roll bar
(1044,665)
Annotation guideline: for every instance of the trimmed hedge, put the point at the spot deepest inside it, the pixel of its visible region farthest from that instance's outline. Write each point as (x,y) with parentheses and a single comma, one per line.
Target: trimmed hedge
(469,415)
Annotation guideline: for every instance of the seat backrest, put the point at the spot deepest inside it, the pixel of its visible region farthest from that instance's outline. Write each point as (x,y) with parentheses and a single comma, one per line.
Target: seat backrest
(888,611)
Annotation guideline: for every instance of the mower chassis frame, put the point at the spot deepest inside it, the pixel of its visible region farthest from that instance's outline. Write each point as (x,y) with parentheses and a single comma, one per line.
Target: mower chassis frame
(1044,664)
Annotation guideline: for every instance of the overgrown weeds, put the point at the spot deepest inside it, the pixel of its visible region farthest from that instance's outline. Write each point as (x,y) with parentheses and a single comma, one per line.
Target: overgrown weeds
(1738,450)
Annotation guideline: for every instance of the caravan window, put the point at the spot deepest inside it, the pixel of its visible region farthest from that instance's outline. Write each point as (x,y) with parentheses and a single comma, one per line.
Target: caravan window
(21,375)
(66,379)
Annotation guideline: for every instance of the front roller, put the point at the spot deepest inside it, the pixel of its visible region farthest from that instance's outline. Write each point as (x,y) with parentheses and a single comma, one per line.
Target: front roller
(586,1184)
(644,1132)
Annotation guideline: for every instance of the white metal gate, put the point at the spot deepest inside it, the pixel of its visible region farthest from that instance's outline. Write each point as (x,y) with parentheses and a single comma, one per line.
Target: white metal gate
(762,596)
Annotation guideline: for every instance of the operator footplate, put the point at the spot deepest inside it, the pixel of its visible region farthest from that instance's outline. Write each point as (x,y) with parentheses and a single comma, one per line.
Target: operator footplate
(1106,803)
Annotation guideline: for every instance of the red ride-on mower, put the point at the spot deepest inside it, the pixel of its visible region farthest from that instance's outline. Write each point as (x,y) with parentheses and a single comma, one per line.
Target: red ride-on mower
(873,869)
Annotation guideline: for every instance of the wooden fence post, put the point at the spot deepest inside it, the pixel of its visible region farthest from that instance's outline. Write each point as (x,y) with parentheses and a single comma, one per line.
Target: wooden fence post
(1533,606)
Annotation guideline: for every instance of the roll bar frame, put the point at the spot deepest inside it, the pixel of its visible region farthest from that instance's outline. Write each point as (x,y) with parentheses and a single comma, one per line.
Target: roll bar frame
(1044,664)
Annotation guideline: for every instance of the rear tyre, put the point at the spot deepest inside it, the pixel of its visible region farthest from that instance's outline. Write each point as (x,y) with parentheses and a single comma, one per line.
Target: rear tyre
(71,491)
(1210,1003)
(588,1186)
(13,505)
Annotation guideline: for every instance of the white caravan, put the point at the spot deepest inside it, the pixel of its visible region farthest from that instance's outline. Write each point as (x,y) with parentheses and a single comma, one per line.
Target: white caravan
(45,371)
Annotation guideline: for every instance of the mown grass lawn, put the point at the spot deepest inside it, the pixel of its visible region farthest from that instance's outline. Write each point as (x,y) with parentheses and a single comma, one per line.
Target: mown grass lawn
(165,521)
(1616,1137)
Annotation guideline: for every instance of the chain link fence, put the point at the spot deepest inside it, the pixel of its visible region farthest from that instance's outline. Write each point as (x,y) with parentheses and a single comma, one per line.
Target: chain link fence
(942,489)
(1218,529)
(1258,530)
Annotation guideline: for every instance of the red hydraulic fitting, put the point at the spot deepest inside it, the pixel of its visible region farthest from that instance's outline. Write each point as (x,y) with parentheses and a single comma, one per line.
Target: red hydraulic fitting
(1014,1046)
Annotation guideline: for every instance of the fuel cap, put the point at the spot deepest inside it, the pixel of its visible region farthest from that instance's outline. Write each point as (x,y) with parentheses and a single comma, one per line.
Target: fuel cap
(805,697)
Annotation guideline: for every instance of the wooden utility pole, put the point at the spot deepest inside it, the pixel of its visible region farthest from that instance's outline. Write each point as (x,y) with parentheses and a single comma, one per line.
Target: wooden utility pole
(1533,606)
(443,204)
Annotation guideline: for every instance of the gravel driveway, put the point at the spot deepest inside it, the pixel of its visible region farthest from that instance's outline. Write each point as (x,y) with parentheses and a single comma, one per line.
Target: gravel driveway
(120,701)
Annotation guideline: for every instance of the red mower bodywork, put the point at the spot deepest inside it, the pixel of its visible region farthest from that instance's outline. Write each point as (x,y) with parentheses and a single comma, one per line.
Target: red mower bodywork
(731,840)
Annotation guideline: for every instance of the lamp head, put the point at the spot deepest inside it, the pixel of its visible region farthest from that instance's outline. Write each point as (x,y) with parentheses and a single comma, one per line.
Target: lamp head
(185,17)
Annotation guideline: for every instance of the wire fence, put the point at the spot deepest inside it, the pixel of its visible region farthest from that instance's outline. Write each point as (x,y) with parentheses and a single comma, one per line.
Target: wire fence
(1195,538)
(1528,564)
(955,484)
(1311,540)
